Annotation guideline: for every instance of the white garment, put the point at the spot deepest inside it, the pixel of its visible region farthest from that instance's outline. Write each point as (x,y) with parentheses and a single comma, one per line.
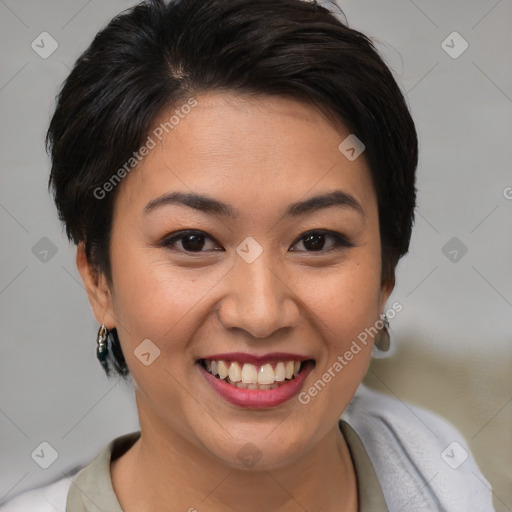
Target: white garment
(50,498)
(419,458)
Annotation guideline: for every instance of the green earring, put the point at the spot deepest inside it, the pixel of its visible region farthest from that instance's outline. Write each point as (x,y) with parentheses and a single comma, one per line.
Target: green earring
(101,342)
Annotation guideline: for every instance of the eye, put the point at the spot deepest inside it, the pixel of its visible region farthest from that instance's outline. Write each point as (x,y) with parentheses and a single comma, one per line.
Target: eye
(193,241)
(315,241)
(190,240)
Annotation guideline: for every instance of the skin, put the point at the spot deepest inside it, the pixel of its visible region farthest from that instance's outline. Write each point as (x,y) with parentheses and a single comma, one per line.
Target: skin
(258,155)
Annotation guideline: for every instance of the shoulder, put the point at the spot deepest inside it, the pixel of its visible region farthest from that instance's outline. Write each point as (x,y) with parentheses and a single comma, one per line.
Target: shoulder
(48,498)
(422,461)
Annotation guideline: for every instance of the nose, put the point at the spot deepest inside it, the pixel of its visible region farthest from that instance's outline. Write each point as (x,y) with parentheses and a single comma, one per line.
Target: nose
(259,299)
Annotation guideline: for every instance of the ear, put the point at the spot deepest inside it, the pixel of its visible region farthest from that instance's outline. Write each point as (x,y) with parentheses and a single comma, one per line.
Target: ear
(97,289)
(385,292)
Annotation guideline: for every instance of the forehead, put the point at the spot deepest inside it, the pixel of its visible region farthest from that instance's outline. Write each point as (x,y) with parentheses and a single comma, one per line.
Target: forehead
(238,147)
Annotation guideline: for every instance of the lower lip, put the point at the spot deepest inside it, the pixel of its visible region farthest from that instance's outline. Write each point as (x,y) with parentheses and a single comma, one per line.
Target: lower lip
(257,398)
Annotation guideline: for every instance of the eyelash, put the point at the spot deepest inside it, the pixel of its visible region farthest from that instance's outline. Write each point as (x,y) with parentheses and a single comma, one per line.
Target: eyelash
(340,241)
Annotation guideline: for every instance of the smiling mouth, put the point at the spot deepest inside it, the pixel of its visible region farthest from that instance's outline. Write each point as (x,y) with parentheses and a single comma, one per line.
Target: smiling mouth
(251,376)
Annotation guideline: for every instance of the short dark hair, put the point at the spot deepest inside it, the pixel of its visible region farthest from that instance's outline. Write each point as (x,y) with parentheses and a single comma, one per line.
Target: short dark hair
(155,54)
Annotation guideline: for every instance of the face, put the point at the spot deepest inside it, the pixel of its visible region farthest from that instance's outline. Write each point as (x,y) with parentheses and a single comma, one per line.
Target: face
(252,273)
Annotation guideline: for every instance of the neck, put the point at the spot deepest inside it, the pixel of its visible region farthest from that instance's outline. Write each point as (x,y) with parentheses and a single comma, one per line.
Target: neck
(162,471)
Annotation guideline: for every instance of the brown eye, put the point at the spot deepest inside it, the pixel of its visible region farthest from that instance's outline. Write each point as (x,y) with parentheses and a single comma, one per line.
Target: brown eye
(315,241)
(191,241)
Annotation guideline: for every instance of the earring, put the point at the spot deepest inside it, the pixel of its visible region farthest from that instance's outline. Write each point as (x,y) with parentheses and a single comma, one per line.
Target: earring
(382,340)
(101,342)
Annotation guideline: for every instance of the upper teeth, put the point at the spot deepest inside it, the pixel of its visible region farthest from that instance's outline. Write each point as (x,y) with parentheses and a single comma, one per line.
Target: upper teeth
(248,373)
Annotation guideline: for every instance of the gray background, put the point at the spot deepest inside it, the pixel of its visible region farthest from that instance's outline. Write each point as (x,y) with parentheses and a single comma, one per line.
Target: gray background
(452,341)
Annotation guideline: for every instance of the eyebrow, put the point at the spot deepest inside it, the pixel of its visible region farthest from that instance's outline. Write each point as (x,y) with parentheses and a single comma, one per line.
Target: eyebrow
(213,206)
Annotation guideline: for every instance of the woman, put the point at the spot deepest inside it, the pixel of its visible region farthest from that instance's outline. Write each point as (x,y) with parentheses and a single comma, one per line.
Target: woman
(239,178)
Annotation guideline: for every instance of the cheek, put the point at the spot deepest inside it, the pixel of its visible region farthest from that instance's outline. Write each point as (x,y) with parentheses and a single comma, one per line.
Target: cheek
(343,303)
(346,298)
(154,299)
(342,320)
